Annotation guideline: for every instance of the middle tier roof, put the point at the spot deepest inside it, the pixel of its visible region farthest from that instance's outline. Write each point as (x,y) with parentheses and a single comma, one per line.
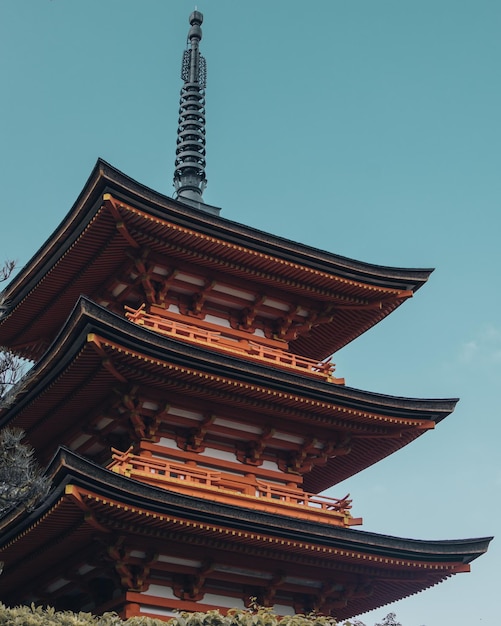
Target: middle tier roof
(99,356)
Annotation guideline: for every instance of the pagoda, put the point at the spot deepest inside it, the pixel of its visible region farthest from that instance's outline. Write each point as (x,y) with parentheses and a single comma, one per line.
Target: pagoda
(184,401)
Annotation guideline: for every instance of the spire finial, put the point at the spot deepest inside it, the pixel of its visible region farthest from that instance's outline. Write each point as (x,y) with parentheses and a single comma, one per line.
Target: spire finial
(189,175)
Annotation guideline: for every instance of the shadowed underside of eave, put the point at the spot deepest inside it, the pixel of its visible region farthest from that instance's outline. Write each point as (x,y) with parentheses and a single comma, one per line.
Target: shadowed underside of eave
(91,243)
(89,504)
(98,351)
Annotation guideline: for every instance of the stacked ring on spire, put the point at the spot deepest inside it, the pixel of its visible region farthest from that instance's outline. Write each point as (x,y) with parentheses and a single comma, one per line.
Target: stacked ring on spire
(190,151)
(189,174)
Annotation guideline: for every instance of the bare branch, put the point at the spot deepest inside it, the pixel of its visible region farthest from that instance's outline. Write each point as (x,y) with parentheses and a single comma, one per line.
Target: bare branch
(11,370)
(11,367)
(6,270)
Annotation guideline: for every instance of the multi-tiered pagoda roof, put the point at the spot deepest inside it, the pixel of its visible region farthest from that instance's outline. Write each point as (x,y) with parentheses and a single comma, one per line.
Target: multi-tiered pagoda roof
(184,399)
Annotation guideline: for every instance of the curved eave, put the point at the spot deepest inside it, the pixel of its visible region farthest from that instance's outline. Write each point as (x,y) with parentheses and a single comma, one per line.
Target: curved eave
(324,401)
(107,179)
(84,493)
(106,241)
(69,468)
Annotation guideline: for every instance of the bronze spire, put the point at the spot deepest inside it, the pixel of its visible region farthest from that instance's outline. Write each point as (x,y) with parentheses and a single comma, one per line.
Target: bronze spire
(189,174)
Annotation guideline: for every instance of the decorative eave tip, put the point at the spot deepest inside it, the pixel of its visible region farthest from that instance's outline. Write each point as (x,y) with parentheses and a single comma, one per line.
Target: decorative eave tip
(189,175)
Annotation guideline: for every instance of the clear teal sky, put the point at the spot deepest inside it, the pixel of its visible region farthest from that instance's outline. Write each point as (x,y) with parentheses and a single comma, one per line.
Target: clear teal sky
(369,128)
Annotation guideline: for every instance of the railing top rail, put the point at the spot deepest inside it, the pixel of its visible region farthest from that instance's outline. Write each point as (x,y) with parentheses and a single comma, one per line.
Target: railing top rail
(321,369)
(133,463)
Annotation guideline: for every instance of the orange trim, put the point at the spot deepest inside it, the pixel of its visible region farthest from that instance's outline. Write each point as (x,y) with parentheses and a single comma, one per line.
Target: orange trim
(94,340)
(220,463)
(193,321)
(255,537)
(239,491)
(249,252)
(169,603)
(266,392)
(111,204)
(133,609)
(73,492)
(248,347)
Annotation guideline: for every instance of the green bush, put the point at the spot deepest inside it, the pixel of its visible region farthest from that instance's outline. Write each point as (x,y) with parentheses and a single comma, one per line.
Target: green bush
(256,616)
(40,616)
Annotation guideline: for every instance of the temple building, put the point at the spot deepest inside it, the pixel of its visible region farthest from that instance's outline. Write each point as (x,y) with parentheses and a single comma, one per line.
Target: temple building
(185,403)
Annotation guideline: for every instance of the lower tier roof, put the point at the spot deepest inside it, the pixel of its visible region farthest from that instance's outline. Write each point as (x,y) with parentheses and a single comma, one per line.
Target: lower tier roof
(90,506)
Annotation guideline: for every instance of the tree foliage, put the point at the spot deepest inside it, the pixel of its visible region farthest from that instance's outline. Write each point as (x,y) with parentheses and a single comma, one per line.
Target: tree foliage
(389,620)
(40,616)
(22,481)
(10,372)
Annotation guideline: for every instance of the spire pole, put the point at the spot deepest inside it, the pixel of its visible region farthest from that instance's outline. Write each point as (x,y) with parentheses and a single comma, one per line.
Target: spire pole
(189,174)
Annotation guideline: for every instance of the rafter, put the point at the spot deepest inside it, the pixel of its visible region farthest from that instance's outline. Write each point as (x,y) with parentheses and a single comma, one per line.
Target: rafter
(114,207)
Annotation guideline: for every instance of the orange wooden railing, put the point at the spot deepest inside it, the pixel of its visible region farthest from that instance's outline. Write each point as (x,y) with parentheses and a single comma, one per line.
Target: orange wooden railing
(245,347)
(219,486)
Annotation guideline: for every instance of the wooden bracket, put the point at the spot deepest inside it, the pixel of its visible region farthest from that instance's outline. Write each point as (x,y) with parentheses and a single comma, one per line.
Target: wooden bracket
(272,587)
(194,441)
(145,426)
(134,576)
(311,455)
(190,587)
(248,315)
(198,299)
(253,454)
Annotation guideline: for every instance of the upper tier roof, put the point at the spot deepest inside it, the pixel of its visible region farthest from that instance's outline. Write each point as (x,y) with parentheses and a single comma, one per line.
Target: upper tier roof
(346,297)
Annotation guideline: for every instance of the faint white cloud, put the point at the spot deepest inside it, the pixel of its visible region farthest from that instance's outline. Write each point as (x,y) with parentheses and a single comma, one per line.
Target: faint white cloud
(485,348)
(468,352)
(492,333)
